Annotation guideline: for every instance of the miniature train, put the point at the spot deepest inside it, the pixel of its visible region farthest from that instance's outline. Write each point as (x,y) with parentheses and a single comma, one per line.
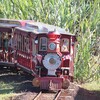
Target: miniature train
(45,51)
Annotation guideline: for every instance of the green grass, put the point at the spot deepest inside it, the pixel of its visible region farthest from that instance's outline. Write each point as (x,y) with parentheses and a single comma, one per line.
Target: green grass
(95,85)
(6,87)
(7,90)
(8,96)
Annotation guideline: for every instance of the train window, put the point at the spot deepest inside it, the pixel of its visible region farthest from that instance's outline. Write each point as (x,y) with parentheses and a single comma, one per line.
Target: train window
(43,44)
(14,40)
(22,43)
(5,41)
(65,45)
(19,41)
(26,44)
(10,40)
(0,40)
(33,47)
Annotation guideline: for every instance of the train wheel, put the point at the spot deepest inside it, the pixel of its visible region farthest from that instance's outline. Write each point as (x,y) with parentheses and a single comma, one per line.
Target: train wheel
(36,82)
(65,84)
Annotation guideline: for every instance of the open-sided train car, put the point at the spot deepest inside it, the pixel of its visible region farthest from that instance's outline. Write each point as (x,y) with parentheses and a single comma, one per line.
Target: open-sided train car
(47,52)
(7,27)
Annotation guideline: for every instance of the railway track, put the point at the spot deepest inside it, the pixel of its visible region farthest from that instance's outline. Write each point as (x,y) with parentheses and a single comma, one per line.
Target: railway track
(60,95)
(46,96)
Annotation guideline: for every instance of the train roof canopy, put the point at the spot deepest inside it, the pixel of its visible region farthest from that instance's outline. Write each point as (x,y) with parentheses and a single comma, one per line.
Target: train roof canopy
(7,25)
(12,22)
(41,28)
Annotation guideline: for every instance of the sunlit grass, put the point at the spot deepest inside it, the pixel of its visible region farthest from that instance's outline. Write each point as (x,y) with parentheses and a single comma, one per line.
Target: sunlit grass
(8,96)
(7,90)
(4,85)
(95,85)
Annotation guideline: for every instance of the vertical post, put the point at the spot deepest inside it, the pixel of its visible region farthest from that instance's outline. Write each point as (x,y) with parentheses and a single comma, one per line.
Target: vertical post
(30,47)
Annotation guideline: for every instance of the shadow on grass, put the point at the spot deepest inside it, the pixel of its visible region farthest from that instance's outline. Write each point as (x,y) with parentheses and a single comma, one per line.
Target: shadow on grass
(3,91)
(18,83)
(83,94)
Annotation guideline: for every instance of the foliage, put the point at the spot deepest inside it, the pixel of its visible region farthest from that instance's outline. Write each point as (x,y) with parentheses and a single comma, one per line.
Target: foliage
(1,10)
(81,17)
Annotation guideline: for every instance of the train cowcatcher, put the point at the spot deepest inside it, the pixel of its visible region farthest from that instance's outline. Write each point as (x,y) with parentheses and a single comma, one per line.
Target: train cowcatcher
(45,51)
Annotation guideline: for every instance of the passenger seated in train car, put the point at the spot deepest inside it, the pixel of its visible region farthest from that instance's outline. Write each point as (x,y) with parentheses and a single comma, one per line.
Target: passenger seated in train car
(10,46)
(0,41)
(1,56)
(6,42)
(2,48)
(65,45)
(5,45)
(9,41)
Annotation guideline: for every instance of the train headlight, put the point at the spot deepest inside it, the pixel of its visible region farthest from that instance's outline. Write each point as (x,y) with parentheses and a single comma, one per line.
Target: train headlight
(52,46)
(51,61)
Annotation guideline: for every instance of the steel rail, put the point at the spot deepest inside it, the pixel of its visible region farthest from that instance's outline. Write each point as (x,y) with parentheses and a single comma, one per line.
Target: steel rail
(57,95)
(37,96)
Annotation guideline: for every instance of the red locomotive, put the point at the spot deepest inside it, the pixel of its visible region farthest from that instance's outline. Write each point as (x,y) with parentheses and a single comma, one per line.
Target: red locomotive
(45,51)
